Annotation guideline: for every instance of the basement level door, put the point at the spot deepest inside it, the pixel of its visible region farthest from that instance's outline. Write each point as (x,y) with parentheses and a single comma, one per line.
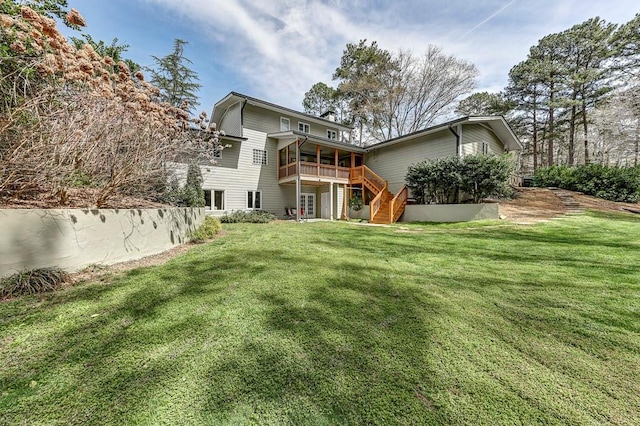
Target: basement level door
(308,204)
(324,203)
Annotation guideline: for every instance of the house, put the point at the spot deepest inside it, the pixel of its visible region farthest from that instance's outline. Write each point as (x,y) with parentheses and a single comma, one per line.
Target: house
(279,156)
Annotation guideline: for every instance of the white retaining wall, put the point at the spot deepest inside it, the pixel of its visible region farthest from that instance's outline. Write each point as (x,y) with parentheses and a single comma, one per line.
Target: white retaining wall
(75,238)
(450,212)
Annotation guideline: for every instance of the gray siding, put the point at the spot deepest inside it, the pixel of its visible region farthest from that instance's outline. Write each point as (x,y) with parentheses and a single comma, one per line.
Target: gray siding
(473,135)
(268,121)
(391,163)
(236,174)
(232,120)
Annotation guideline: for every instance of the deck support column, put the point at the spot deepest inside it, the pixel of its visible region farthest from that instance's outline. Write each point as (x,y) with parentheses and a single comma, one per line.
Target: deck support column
(330,200)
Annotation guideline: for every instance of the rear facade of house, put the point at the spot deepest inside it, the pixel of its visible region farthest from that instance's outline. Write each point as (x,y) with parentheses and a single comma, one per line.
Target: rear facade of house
(269,148)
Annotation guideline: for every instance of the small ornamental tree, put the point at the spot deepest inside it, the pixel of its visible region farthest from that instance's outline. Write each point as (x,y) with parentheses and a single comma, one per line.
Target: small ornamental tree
(72,117)
(193,194)
(443,180)
(482,176)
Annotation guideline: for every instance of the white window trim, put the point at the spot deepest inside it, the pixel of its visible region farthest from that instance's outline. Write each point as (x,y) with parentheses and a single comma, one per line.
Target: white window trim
(254,200)
(332,131)
(302,124)
(282,120)
(213,200)
(266,157)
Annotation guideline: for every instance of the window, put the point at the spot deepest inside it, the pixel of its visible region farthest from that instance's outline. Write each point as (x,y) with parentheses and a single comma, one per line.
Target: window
(332,134)
(259,157)
(485,148)
(254,199)
(304,127)
(284,124)
(214,200)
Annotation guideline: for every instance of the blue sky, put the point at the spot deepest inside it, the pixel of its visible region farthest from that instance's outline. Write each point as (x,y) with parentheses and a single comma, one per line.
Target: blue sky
(277,49)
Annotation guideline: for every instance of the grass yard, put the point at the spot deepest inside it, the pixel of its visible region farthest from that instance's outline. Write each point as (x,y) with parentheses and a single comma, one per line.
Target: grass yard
(334,323)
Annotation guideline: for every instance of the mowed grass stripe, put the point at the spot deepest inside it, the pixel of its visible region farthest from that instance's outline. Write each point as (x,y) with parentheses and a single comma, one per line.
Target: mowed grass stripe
(334,323)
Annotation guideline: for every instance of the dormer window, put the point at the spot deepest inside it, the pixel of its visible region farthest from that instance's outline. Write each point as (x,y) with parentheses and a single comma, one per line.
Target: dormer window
(284,124)
(332,135)
(304,127)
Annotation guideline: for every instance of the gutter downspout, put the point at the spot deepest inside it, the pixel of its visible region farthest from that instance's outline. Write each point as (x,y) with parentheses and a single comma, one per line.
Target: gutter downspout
(244,103)
(457,140)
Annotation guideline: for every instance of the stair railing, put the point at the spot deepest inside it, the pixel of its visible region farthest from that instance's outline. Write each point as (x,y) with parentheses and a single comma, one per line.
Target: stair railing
(396,207)
(376,203)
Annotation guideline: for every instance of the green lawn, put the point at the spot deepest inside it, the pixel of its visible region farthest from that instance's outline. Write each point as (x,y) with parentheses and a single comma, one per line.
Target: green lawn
(335,323)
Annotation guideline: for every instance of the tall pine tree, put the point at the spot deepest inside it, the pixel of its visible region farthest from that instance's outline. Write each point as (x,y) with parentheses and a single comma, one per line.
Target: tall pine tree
(177,82)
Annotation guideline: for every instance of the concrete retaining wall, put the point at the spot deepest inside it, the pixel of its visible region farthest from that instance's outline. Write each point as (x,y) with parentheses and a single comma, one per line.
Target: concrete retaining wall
(75,238)
(450,212)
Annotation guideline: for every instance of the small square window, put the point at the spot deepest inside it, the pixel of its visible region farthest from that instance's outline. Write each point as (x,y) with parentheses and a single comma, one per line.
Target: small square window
(332,134)
(284,124)
(304,127)
(259,157)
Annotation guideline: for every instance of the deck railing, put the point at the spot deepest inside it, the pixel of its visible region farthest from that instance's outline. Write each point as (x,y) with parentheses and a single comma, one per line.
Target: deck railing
(315,170)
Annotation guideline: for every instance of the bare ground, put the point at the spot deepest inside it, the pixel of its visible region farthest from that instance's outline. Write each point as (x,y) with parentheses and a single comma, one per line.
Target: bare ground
(539,204)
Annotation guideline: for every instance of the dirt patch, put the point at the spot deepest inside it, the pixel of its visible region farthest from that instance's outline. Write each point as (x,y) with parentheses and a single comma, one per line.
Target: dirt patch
(533,205)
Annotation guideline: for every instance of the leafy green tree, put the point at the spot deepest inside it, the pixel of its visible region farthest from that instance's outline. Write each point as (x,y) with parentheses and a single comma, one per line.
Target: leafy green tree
(625,43)
(393,94)
(176,81)
(525,91)
(193,194)
(359,75)
(587,47)
(482,176)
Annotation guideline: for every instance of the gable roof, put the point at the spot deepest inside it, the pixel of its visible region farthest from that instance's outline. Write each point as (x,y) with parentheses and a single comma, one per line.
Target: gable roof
(497,124)
(234,97)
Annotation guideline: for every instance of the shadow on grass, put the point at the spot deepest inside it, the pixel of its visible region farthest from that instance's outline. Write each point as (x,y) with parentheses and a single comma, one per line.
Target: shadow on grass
(324,325)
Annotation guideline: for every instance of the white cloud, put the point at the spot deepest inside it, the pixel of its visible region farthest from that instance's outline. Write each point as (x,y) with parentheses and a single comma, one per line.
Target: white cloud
(280,48)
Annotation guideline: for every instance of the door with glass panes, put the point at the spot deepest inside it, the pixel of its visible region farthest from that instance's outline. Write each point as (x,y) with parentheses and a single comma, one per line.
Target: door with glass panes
(308,205)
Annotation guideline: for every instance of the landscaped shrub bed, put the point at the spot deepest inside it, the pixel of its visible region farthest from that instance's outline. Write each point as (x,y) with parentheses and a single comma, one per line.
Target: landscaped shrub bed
(209,229)
(609,183)
(32,281)
(443,181)
(255,216)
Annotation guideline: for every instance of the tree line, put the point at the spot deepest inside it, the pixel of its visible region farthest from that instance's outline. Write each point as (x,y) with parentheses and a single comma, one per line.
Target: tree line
(574,99)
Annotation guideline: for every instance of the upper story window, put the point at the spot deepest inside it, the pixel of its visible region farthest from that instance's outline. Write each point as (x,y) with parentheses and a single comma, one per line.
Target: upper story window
(259,157)
(304,127)
(284,124)
(485,148)
(332,134)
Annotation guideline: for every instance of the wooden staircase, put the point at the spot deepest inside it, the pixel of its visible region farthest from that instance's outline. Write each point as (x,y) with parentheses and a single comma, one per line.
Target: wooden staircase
(384,207)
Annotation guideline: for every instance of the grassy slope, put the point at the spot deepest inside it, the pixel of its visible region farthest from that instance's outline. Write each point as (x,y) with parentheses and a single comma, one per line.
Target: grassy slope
(324,323)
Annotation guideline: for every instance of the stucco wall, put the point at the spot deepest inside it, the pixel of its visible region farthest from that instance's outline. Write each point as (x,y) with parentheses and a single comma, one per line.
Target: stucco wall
(75,238)
(450,212)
